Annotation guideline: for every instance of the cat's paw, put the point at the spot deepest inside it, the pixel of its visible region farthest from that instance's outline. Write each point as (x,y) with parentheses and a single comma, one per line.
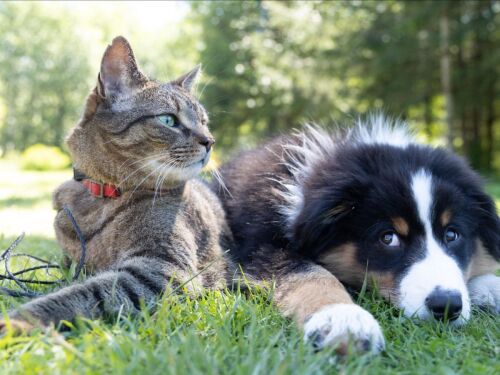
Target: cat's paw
(15,326)
(484,291)
(344,326)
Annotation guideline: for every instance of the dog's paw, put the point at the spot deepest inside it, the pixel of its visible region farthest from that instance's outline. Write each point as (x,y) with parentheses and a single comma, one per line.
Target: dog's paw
(484,291)
(343,326)
(15,326)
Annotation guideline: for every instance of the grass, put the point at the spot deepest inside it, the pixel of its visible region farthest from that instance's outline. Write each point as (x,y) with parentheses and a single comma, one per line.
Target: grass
(218,332)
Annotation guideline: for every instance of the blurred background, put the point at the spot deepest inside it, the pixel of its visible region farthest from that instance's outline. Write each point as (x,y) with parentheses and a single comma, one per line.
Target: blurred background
(268,66)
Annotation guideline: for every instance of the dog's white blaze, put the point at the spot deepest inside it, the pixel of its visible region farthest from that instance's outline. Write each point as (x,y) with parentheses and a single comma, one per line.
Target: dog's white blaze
(437,269)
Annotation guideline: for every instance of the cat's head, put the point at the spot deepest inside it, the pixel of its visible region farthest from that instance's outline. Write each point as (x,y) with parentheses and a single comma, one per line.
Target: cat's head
(138,131)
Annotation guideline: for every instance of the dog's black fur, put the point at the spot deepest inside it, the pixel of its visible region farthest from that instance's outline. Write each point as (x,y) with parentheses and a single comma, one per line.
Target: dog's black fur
(314,200)
(372,182)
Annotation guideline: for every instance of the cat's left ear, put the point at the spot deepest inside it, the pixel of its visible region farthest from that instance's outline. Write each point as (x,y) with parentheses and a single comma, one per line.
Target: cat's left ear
(119,75)
(188,80)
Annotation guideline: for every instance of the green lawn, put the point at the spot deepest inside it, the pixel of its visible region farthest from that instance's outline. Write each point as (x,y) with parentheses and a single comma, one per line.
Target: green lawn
(218,333)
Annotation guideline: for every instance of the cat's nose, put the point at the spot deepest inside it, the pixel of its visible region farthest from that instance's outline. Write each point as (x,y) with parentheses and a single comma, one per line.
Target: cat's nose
(207,142)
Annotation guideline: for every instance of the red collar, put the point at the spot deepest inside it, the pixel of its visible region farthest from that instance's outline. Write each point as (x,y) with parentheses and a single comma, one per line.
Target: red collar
(100,189)
(105,190)
(96,188)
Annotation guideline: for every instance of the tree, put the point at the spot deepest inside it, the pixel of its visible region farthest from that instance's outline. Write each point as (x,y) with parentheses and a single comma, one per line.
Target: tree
(43,71)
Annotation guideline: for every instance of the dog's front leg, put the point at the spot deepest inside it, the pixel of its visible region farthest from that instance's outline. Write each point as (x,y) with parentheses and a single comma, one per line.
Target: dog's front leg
(323,308)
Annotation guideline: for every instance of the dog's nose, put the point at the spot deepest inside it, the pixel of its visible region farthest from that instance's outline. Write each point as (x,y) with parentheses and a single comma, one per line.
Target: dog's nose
(444,304)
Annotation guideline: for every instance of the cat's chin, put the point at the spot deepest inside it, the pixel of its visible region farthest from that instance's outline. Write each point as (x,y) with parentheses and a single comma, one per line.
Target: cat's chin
(187,172)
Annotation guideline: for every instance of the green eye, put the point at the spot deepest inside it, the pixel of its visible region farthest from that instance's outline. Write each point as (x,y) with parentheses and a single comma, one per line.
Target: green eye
(167,120)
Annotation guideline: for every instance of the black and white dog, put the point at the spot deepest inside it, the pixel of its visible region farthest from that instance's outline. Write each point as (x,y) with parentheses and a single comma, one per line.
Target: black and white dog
(317,211)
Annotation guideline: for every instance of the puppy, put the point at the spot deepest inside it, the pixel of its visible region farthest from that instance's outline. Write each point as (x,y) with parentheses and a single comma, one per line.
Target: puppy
(317,211)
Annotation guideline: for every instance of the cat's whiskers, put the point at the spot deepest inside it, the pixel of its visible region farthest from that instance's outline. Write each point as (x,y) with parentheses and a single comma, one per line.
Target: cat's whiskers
(165,173)
(205,86)
(143,180)
(154,160)
(147,164)
(168,163)
(156,184)
(154,156)
(160,178)
(216,174)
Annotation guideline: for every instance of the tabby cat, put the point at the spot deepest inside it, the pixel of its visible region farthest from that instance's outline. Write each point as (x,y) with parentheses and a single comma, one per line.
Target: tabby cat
(148,224)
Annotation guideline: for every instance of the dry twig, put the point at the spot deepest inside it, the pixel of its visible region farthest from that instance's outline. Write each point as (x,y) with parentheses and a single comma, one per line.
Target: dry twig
(21,282)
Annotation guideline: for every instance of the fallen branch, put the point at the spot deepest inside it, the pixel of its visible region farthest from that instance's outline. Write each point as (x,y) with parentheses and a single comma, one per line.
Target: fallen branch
(7,255)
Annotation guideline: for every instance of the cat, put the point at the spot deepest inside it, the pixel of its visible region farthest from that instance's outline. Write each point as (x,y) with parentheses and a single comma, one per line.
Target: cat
(149,225)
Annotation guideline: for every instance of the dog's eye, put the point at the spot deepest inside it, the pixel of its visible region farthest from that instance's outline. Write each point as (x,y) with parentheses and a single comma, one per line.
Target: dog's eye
(390,238)
(168,120)
(450,235)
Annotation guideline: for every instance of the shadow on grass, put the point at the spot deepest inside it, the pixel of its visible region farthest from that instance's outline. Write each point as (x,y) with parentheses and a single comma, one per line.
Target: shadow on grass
(24,202)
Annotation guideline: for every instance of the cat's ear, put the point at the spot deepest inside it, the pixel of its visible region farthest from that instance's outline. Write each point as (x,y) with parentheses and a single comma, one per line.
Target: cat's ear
(119,75)
(188,80)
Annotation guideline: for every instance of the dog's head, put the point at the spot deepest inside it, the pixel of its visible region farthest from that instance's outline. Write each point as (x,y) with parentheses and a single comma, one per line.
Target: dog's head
(412,219)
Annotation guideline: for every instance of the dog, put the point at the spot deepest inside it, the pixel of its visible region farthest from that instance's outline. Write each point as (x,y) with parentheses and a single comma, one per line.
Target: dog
(316,211)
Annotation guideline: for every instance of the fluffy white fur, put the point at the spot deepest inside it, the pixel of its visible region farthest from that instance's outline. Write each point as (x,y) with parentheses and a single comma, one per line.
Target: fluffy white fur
(437,269)
(485,291)
(315,142)
(340,324)
(379,129)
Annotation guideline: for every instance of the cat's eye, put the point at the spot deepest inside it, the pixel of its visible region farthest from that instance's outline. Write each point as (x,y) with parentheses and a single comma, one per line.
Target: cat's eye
(451,235)
(390,238)
(168,120)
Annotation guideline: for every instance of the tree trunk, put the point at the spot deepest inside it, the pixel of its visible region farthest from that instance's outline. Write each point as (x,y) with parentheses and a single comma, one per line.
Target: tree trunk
(490,135)
(446,74)
(461,109)
(428,115)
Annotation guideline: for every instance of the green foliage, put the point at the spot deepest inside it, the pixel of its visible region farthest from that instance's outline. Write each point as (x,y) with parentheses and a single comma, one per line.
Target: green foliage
(44,158)
(269,66)
(274,65)
(43,70)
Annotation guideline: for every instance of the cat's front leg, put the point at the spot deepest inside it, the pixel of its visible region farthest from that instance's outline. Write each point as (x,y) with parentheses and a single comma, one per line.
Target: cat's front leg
(133,282)
(18,326)
(323,308)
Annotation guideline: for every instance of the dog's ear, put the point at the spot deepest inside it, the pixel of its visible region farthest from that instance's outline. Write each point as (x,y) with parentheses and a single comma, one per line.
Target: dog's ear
(313,227)
(338,211)
(488,223)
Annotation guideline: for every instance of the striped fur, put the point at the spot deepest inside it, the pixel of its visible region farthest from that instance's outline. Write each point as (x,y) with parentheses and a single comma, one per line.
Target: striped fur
(167,231)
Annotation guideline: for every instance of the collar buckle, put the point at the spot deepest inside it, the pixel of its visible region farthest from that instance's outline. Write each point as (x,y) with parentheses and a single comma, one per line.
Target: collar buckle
(100,194)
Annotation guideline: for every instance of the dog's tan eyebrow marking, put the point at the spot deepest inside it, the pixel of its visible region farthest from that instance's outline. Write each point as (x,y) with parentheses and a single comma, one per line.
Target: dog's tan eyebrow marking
(445,217)
(401,225)
(342,262)
(385,283)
